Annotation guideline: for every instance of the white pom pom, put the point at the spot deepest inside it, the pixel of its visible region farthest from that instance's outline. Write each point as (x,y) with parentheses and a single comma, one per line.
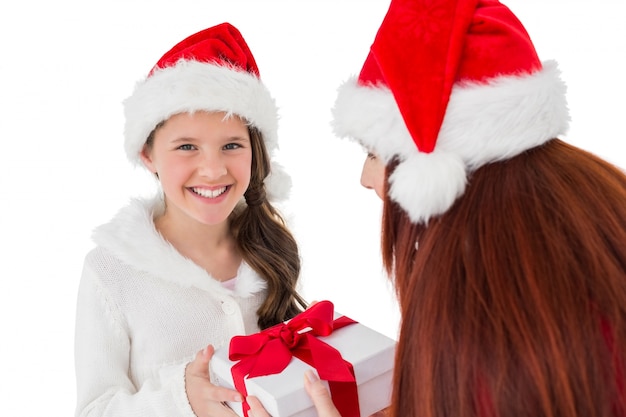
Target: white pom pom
(426,185)
(277,184)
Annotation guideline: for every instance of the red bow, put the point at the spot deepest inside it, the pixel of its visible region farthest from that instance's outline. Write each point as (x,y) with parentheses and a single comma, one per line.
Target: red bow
(270,351)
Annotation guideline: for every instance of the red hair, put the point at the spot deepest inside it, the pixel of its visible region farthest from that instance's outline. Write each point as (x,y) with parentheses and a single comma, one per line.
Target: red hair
(515,302)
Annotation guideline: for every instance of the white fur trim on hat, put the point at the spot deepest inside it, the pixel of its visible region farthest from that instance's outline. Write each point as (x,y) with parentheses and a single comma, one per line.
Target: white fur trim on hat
(483,123)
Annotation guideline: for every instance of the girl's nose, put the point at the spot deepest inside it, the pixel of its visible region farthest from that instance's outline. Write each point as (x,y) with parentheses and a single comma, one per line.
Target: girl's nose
(212,166)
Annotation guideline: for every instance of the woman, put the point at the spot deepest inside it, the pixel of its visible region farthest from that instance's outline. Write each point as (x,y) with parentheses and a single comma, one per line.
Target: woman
(507,246)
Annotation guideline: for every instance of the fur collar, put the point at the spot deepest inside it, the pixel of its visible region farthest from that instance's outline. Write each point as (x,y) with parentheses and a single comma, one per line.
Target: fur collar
(132,238)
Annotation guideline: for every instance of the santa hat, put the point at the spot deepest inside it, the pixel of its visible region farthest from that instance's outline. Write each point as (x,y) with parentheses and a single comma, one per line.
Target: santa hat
(447,87)
(212,70)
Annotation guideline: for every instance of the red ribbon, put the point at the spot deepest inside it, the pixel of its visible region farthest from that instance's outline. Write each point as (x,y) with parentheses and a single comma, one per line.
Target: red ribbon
(270,351)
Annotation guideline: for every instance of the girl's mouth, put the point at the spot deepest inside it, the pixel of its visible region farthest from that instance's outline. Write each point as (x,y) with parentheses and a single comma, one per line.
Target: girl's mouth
(203,192)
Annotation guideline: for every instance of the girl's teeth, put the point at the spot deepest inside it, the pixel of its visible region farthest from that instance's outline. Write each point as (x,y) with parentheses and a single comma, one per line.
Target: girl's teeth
(209,193)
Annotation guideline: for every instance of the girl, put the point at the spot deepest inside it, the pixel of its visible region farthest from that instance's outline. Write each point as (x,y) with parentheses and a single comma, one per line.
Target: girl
(507,246)
(208,259)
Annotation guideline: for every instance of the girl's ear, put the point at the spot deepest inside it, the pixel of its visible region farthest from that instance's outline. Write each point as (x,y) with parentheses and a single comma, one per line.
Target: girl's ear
(147,159)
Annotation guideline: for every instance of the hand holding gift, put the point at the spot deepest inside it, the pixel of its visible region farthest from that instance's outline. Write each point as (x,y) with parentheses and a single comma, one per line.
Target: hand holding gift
(204,397)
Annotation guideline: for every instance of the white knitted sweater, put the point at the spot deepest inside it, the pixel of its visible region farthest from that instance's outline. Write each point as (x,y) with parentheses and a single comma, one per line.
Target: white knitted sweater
(143,313)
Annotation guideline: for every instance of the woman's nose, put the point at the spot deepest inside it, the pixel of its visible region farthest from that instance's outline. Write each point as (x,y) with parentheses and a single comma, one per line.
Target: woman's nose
(366,178)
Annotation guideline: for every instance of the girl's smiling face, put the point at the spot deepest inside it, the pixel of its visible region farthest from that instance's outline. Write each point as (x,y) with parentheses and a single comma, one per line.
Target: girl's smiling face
(203,161)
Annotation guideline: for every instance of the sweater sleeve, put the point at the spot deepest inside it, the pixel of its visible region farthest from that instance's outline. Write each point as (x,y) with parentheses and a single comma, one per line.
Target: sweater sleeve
(102,346)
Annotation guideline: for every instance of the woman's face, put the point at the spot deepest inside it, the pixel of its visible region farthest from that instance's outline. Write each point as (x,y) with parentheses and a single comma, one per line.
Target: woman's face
(373,175)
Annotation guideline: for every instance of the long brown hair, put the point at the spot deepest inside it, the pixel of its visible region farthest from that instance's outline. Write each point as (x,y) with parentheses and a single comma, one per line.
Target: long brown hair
(266,244)
(514,302)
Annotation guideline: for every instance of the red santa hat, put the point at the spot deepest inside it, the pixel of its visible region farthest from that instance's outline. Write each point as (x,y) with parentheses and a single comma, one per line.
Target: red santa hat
(449,86)
(212,70)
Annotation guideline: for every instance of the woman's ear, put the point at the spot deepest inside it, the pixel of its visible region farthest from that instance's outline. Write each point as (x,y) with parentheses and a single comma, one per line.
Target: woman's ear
(147,159)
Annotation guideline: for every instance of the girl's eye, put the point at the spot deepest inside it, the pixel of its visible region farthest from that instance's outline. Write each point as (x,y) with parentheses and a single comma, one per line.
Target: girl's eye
(231,146)
(186,147)
(371,156)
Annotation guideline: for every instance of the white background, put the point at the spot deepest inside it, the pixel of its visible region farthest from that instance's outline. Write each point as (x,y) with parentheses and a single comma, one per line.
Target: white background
(65,67)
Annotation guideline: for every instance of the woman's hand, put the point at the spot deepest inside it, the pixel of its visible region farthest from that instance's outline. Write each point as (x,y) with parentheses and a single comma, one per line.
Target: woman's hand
(316,390)
(322,400)
(320,395)
(205,398)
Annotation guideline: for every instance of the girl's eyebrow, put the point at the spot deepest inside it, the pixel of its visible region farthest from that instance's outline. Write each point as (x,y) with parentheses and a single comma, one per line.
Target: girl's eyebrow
(239,139)
(235,138)
(183,139)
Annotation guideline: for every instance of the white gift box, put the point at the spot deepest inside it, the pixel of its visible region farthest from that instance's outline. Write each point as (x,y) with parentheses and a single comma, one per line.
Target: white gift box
(283,395)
